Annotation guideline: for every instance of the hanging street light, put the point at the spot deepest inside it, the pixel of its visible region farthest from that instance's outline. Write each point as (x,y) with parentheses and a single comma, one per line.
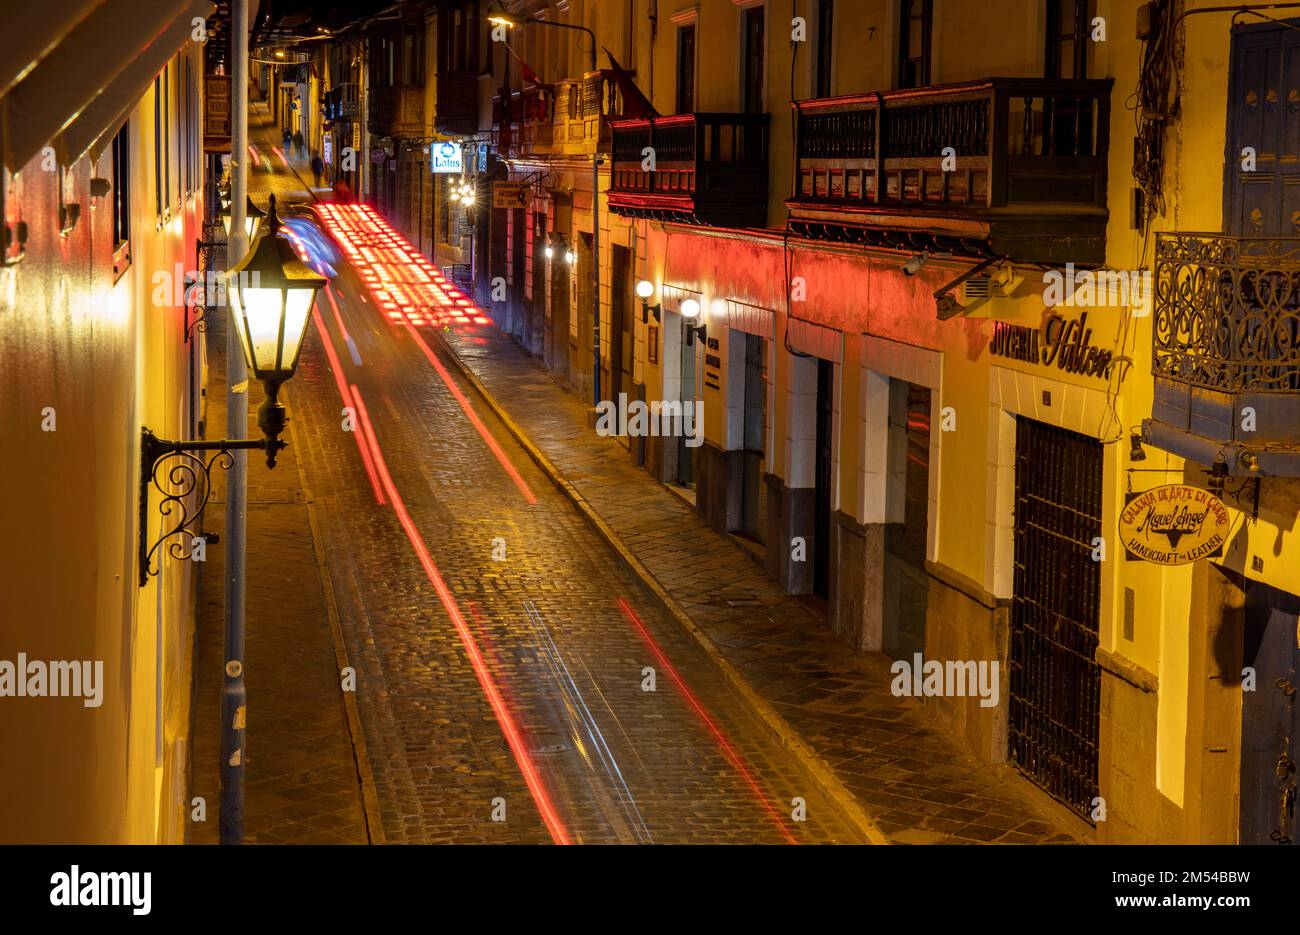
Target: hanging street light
(253,217)
(271,293)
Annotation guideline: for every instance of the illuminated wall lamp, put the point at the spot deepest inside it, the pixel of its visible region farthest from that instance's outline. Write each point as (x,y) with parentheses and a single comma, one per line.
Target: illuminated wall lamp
(690,309)
(644,290)
(271,294)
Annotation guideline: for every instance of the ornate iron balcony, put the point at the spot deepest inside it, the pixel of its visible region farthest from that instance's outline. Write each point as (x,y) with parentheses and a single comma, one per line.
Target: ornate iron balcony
(1226,351)
(1227,312)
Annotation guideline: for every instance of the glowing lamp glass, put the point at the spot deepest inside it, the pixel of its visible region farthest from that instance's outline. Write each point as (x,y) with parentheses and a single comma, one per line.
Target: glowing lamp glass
(645,288)
(690,308)
(253,216)
(271,294)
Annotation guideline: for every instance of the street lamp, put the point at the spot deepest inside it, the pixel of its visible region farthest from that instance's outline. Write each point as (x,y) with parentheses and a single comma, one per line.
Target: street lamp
(271,294)
(644,289)
(253,216)
(502,18)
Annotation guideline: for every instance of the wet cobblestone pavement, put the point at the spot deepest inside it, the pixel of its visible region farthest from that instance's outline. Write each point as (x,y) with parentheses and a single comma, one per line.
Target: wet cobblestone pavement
(686,762)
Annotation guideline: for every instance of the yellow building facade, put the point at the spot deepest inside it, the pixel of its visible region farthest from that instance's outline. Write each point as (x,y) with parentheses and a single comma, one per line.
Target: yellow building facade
(102,222)
(946,344)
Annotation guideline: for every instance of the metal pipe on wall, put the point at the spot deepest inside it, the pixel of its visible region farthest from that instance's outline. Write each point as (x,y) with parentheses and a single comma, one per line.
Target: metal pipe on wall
(233,694)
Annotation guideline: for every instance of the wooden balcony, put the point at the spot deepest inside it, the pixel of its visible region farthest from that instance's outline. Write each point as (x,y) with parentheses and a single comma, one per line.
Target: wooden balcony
(1226,352)
(1026,169)
(709,169)
(570,117)
(397,111)
(456,103)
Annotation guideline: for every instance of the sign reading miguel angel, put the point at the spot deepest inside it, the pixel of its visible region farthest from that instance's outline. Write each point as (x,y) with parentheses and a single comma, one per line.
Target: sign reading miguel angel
(1173,525)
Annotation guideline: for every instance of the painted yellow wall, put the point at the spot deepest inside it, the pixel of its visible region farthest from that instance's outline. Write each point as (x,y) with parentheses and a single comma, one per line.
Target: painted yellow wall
(107,360)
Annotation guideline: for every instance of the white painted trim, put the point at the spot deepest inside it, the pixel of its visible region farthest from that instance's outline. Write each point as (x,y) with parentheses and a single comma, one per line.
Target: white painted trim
(883,358)
(686,15)
(751,319)
(807,337)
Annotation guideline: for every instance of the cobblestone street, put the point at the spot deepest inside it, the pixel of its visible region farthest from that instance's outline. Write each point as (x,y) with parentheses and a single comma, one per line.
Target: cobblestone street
(685,762)
(755,706)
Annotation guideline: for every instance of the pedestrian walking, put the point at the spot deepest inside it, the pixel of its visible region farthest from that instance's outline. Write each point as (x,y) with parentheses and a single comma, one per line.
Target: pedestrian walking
(317,168)
(286,136)
(297,143)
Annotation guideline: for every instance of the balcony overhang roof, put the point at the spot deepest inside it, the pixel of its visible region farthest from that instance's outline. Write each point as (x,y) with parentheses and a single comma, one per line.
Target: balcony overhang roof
(73,81)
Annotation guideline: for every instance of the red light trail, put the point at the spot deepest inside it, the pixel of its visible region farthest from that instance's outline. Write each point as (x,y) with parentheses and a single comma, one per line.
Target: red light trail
(487,436)
(728,751)
(405,284)
(411,291)
(347,401)
(506,720)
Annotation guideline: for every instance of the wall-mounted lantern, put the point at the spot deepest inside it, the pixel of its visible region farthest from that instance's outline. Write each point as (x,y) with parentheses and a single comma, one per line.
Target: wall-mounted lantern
(271,293)
(644,290)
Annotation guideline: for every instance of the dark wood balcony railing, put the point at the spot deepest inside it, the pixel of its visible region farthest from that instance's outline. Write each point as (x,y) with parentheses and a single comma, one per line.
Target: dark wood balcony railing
(1025,177)
(1226,336)
(570,117)
(397,111)
(456,103)
(708,169)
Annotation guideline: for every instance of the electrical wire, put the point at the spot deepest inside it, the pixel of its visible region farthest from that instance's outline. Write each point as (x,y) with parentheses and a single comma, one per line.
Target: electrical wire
(1154,103)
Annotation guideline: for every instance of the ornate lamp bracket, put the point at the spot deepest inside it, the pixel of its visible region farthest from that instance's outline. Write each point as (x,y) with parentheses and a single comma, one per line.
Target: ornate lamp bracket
(1244,491)
(185,468)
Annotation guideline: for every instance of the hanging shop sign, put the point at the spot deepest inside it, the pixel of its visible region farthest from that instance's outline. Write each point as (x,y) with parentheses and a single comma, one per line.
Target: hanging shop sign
(445,157)
(1173,525)
(509,194)
(1065,344)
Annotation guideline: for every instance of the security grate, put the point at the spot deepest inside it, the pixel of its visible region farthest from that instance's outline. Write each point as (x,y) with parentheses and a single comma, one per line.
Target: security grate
(1055,684)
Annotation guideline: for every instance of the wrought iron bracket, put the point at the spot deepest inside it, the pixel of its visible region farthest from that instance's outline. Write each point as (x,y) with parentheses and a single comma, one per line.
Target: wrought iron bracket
(1243,491)
(187,469)
(200,322)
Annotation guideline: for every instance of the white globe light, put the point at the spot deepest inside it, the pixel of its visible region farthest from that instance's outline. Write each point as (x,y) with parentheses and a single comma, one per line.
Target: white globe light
(645,288)
(690,308)
(550,251)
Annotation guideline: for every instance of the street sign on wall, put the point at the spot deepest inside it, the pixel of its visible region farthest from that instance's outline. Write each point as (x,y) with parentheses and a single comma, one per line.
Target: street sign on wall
(216,113)
(445,157)
(1173,525)
(509,194)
